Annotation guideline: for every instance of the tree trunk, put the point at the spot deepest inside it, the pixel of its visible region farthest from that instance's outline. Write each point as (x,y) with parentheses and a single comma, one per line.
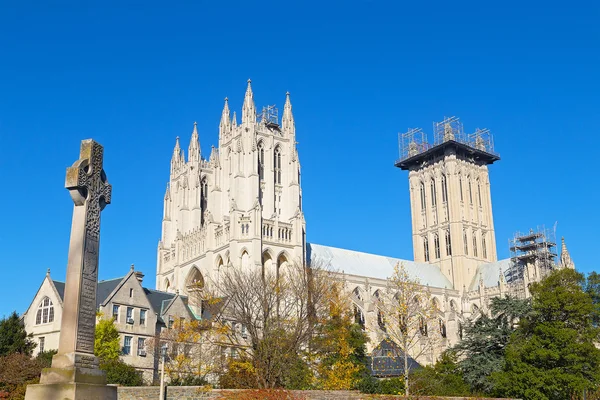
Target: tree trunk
(406,391)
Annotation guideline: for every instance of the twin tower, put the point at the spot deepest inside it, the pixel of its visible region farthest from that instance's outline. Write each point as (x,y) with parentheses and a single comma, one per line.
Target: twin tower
(242,206)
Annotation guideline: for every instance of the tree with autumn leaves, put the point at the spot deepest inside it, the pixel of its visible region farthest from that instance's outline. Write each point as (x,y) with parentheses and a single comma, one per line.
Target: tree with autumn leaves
(407,311)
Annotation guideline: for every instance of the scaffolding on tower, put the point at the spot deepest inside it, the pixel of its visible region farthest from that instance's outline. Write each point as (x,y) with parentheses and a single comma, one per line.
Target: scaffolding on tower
(412,142)
(269,117)
(449,129)
(532,257)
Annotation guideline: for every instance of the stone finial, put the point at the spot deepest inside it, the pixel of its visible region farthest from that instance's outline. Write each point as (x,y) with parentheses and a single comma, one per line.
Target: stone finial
(248,108)
(132,267)
(48,272)
(565,256)
(287,121)
(225,125)
(194,148)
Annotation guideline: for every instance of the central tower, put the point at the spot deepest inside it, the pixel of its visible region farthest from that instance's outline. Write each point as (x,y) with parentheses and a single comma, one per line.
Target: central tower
(451,206)
(240,207)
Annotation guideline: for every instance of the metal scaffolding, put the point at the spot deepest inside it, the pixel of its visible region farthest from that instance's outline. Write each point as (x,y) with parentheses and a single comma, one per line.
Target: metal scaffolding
(532,257)
(269,116)
(450,129)
(412,142)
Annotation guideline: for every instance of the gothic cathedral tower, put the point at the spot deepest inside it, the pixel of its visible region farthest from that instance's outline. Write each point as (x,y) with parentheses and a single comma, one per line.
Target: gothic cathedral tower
(451,206)
(240,207)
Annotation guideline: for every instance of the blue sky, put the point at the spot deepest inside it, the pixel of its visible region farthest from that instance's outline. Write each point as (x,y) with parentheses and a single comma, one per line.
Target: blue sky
(134,75)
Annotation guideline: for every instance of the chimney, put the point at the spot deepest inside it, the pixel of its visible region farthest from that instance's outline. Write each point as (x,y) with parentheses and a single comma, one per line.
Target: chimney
(139,276)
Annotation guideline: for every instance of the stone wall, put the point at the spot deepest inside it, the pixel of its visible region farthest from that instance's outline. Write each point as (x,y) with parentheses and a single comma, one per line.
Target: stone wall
(193,393)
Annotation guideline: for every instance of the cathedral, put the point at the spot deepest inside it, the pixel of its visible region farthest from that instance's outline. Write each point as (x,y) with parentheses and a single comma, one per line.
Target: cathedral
(242,206)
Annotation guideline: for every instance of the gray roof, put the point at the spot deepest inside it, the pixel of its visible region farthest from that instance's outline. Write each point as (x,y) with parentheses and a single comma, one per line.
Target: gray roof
(105,288)
(373,265)
(490,273)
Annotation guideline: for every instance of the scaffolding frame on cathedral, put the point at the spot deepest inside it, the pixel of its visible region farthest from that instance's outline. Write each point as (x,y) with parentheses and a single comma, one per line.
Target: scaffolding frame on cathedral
(269,116)
(530,253)
(412,142)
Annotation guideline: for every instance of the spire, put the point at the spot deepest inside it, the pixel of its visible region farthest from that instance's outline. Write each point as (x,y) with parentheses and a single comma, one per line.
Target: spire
(234,121)
(225,125)
(287,122)
(177,154)
(565,257)
(248,108)
(194,149)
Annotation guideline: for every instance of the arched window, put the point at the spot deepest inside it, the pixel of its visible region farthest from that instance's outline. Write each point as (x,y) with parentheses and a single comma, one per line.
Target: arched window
(45,312)
(381,320)
(442,328)
(479,193)
(460,187)
(426,248)
(422,326)
(475,244)
(453,306)
(433,196)
(444,189)
(483,246)
(423,203)
(436,243)
(448,243)
(470,193)
(261,161)
(277,165)
(466,242)
(359,317)
(356,293)
(203,199)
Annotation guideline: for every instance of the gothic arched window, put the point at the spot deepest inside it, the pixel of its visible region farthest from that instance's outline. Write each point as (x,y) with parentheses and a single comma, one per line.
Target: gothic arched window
(423,203)
(466,242)
(474,244)
(45,312)
(479,193)
(460,187)
(448,244)
(426,248)
(261,161)
(442,328)
(436,244)
(470,193)
(483,246)
(277,165)
(422,326)
(203,199)
(444,189)
(433,196)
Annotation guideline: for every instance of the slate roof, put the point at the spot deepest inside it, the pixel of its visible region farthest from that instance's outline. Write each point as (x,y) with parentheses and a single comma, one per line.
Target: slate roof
(376,266)
(490,273)
(106,287)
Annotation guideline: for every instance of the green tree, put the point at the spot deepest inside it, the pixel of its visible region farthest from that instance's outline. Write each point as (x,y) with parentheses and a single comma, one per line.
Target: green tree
(444,378)
(592,288)
(13,338)
(339,345)
(484,341)
(552,354)
(107,345)
(120,373)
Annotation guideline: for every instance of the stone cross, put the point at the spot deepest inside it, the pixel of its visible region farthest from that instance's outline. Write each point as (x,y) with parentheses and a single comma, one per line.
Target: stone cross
(74,374)
(90,191)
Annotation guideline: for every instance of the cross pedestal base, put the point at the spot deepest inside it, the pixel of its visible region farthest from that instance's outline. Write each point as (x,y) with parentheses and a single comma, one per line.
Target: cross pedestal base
(70,391)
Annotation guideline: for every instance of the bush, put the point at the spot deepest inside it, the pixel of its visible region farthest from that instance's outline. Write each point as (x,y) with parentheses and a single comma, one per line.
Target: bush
(120,373)
(45,358)
(17,370)
(372,385)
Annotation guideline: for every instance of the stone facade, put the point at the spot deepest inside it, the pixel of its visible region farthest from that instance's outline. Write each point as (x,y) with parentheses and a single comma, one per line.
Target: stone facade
(241,206)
